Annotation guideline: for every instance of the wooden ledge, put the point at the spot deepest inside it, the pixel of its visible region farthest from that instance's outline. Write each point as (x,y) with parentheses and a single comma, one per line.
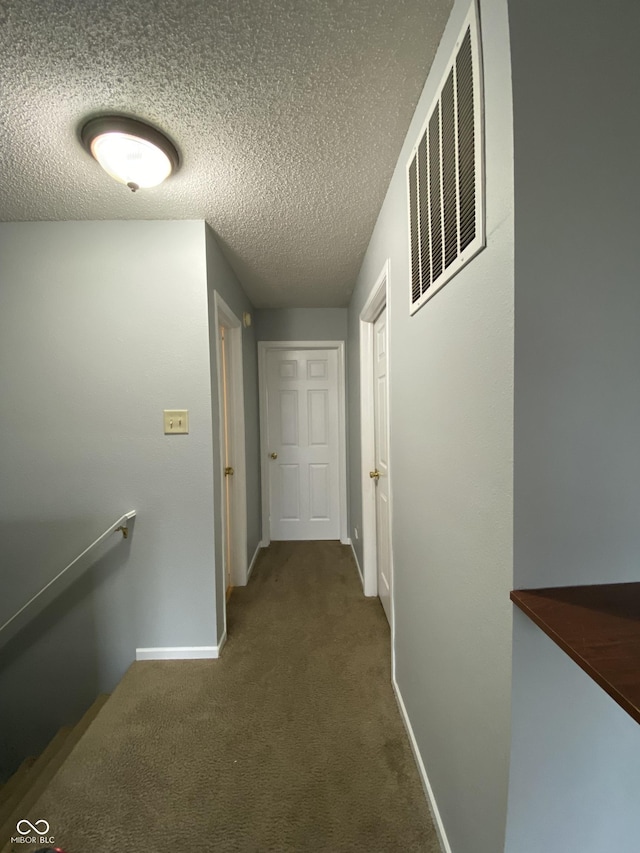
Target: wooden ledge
(599,628)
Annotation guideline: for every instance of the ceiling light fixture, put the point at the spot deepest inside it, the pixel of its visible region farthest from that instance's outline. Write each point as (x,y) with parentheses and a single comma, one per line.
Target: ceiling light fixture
(130,151)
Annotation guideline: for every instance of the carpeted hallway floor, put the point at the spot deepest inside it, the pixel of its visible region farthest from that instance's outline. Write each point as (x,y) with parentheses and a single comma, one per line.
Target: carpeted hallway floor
(291,742)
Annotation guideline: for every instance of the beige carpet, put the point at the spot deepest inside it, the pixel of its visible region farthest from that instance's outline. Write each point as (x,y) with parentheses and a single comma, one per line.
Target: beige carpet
(291,742)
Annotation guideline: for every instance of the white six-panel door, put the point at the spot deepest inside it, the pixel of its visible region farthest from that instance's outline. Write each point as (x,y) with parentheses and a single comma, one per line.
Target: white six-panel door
(302,443)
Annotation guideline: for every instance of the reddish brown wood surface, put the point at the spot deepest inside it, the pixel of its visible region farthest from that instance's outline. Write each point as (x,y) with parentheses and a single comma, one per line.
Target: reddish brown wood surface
(599,628)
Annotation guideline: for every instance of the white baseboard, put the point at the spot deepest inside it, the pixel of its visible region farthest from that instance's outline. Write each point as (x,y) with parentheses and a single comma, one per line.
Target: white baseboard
(428,790)
(223,640)
(355,557)
(182,652)
(253,560)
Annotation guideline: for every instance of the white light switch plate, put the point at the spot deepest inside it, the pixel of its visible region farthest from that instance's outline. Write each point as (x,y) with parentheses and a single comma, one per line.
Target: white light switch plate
(176,421)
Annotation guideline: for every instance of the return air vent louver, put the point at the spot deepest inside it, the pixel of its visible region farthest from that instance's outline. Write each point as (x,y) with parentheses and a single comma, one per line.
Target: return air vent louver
(445,174)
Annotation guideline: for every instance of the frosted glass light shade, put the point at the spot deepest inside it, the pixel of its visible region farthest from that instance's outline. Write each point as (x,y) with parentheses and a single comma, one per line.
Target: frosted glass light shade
(130,151)
(131,160)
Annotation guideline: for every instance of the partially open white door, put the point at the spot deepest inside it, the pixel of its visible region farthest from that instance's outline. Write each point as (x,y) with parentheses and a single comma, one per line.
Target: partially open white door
(377,539)
(233,495)
(381,471)
(228,459)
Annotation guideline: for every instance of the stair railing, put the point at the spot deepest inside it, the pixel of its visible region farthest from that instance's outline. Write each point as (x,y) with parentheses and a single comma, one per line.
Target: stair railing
(42,599)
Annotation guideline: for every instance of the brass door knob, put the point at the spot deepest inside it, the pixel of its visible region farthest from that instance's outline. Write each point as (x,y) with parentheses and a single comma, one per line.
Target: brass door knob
(375,475)
(273,455)
(228,472)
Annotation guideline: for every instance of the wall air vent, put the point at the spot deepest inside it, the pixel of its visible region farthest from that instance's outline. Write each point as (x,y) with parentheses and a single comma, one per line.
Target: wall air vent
(445,174)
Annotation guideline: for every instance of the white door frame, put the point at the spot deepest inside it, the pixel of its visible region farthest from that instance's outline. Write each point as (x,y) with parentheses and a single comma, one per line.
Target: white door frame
(263,348)
(376,301)
(225,317)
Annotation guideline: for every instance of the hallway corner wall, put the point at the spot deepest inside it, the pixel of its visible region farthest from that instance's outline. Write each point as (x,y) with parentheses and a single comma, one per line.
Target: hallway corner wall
(451,468)
(102,326)
(222,278)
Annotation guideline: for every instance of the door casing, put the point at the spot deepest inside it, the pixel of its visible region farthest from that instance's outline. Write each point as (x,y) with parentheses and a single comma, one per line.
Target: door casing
(263,348)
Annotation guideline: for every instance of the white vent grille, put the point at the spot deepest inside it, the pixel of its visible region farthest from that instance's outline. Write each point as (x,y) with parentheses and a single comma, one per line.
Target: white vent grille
(445,174)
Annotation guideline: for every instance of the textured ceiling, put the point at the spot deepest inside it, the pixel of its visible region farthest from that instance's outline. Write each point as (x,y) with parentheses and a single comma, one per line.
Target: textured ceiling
(289,116)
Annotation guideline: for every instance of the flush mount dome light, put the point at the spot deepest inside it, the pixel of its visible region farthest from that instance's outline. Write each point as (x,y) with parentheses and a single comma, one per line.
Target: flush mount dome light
(130,151)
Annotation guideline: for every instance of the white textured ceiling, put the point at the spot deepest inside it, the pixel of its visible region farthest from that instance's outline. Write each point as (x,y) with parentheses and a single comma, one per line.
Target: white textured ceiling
(289,116)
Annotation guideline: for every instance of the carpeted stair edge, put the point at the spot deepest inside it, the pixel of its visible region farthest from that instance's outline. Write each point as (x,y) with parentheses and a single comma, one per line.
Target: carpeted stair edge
(37,777)
(11,784)
(22,789)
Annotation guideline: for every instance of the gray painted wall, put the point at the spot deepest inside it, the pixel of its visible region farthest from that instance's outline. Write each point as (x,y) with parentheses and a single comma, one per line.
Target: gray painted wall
(575,758)
(221,278)
(451,402)
(301,324)
(577,296)
(577,405)
(102,326)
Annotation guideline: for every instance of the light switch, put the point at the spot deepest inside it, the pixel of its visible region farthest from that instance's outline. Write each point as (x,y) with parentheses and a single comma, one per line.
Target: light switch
(176,421)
